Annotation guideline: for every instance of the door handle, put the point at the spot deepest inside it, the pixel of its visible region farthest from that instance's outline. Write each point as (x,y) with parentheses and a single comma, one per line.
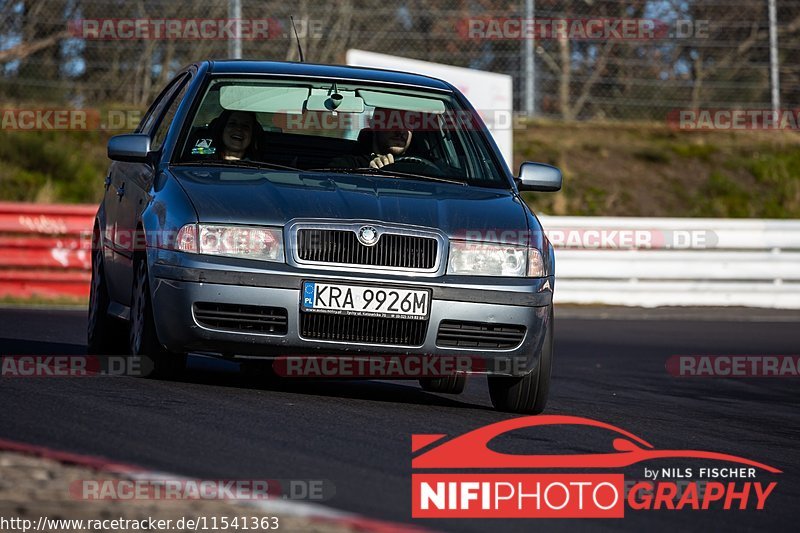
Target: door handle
(121,191)
(107,182)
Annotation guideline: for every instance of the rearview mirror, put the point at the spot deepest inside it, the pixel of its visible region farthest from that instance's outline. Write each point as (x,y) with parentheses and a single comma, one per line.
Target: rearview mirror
(539,177)
(131,147)
(342,102)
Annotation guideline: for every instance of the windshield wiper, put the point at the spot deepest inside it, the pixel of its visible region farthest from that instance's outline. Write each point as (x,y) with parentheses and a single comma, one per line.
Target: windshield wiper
(388,173)
(257,165)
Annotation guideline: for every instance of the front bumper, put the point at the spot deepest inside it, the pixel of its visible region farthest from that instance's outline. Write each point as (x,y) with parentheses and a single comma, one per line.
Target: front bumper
(180,280)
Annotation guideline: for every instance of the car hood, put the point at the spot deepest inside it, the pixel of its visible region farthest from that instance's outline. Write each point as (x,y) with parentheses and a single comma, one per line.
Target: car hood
(244,196)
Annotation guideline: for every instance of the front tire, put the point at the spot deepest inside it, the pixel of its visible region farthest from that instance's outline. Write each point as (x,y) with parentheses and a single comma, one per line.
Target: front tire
(105,335)
(155,360)
(526,394)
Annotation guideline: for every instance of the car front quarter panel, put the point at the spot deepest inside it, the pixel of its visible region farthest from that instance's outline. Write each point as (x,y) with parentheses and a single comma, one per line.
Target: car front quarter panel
(168,210)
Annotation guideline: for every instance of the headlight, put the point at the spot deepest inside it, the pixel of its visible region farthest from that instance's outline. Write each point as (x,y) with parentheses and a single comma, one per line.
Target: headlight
(489,259)
(248,242)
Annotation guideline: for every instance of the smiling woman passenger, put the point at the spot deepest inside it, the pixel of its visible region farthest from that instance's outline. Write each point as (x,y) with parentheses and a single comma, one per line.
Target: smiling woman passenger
(239,135)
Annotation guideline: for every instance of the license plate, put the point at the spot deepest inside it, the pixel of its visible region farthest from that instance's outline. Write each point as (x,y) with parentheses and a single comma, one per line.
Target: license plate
(354,300)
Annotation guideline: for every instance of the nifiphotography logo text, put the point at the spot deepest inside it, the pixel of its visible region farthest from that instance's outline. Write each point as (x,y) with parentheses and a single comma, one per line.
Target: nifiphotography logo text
(720,482)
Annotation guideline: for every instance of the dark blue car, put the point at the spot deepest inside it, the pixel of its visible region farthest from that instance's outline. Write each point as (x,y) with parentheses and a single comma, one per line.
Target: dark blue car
(265,210)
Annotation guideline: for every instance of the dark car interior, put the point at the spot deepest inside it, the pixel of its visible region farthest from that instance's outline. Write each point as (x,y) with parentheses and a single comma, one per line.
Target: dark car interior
(312,151)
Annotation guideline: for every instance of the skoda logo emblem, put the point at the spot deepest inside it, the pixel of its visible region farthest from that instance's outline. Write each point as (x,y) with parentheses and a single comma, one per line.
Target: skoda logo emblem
(368,236)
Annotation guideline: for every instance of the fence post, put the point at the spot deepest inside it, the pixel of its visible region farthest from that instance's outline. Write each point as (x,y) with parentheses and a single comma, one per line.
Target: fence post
(235,43)
(530,62)
(773,58)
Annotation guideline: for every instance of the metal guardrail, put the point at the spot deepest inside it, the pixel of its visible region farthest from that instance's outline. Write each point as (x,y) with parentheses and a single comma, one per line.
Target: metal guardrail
(41,250)
(647,262)
(652,262)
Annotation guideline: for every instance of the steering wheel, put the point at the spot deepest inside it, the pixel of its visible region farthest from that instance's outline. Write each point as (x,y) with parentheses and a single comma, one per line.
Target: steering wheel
(412,163)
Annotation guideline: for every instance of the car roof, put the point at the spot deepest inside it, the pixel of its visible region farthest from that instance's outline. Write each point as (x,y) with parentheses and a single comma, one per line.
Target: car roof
(231,66)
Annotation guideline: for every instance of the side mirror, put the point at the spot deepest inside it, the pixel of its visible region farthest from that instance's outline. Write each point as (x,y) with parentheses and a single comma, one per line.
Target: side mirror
(539,177)
(131,147)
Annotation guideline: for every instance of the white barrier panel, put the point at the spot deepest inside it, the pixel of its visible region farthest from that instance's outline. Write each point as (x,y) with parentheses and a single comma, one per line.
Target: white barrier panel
(651,262)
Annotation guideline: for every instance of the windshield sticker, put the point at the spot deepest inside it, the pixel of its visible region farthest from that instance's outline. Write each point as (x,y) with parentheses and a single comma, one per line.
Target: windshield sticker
(203,147)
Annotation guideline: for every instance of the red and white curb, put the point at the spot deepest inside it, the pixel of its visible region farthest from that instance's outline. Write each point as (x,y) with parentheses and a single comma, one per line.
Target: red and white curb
(310,511)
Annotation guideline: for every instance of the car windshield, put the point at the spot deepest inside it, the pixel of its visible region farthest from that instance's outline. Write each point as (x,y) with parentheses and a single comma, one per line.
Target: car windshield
(340,127)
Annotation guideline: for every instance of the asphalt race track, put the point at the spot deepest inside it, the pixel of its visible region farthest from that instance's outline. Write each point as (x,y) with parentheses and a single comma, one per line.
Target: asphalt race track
(221,425)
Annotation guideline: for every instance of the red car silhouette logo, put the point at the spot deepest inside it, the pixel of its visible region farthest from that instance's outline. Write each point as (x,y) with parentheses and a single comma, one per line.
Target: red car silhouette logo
(471,450)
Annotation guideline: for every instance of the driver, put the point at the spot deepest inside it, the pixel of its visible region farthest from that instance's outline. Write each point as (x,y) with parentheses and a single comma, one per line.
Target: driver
(388,144)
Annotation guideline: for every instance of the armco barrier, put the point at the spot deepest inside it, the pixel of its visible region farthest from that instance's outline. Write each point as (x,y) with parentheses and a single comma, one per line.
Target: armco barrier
(644,262)
(689,262)
(41,250)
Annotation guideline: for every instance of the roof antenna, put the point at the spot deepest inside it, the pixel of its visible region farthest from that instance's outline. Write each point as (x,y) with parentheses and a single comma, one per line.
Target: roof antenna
(299,47)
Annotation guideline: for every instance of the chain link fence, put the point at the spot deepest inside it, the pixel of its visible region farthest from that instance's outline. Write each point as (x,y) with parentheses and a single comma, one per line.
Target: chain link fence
(703,53)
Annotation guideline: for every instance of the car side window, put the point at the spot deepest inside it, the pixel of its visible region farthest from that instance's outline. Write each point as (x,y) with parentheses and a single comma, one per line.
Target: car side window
(156,108)
(166,120)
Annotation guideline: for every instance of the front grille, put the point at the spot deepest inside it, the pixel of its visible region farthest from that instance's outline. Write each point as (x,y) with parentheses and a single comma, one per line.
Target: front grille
(454,333)
(342,247)
(242,318)
(363,329)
